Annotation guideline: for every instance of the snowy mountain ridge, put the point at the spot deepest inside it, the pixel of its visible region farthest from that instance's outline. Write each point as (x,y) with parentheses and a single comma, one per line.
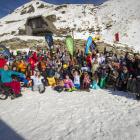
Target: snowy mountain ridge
(113,16)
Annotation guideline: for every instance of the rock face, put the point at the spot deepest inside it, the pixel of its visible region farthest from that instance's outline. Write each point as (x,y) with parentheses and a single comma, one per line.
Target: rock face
(17,43)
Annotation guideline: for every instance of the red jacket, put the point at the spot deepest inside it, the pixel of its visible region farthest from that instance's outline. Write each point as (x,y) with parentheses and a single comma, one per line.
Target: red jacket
(35,57)
(2,62)
(32,63)
(89,60)
(33,60)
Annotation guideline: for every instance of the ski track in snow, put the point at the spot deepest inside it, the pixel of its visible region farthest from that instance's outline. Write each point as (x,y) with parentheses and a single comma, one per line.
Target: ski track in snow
(97,115)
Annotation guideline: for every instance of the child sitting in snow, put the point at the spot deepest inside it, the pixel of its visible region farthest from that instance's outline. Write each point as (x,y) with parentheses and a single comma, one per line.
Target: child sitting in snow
(86,81)
(76,77)
(95,81)
(69,85)
(38,83)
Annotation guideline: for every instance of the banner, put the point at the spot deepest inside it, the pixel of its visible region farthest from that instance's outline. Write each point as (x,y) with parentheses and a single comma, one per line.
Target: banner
(70,44)
(88,44)
(49,39)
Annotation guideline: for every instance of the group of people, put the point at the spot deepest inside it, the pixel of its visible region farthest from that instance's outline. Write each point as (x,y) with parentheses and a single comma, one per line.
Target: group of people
(57,68)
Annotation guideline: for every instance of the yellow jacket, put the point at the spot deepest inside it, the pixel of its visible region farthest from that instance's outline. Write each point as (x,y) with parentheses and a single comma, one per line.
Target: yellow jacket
(22,67)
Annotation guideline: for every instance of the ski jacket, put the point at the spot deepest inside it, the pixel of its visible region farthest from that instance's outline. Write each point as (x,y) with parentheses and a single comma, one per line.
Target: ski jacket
(6,76)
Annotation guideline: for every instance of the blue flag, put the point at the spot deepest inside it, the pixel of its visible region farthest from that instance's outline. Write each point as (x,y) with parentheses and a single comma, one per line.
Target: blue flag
(49,39)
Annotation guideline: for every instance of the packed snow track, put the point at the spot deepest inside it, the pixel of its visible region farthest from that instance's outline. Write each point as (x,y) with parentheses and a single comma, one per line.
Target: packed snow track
(95,115)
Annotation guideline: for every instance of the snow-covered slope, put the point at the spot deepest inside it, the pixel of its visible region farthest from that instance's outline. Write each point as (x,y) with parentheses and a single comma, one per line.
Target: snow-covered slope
(113,16)
(17,19)
(121,16)
(77,17)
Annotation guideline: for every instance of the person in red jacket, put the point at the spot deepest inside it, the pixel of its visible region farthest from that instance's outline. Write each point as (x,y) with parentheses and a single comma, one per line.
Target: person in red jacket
(117,37)
(3,61)
(89,60)
(32,61)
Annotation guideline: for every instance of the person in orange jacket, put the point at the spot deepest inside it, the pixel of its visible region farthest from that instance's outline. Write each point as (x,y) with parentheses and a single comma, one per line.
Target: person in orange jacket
(22,66)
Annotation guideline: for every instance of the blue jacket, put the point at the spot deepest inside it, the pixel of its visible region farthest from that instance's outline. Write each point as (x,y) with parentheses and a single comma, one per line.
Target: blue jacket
(6,75)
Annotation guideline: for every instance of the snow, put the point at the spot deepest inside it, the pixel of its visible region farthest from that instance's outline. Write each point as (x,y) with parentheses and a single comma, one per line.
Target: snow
(20,19)
(98,115)
(124,16)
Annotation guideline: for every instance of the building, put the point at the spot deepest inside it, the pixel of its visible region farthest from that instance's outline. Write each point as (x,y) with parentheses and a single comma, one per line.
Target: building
(40,25)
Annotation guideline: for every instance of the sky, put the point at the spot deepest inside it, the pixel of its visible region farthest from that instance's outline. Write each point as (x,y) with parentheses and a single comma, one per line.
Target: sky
(6,6)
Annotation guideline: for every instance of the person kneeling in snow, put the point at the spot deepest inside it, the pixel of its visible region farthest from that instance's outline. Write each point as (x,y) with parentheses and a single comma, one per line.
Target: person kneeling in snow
(38,82)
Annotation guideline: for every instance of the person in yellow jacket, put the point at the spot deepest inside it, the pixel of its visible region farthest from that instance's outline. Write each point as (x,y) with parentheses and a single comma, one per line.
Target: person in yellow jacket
(22,66)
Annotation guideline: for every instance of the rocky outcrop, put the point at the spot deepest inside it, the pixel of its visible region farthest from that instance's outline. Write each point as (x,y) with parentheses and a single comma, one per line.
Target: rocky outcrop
(60,7)
(17,43)
(79,44)
(26,10)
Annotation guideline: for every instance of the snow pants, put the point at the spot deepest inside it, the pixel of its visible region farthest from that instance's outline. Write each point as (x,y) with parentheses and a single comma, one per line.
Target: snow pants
(131,85)
(40,88)
(86,85)
(69,85)
(14,85)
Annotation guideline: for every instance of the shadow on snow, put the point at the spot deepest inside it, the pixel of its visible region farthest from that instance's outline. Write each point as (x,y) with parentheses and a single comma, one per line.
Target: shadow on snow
(7,133)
